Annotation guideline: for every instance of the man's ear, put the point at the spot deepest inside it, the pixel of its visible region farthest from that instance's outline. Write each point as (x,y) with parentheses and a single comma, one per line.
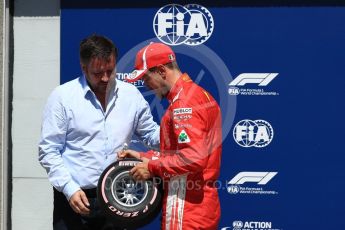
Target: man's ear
(161,69)
(83,67)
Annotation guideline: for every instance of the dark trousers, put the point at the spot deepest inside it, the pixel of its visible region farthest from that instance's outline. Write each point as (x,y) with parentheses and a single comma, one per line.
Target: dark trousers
(66,219)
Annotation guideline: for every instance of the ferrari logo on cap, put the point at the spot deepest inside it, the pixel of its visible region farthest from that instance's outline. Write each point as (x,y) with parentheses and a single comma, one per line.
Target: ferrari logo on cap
(171,57)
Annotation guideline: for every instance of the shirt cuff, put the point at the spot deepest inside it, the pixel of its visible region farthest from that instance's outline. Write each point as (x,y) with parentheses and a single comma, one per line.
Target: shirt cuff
(70,188)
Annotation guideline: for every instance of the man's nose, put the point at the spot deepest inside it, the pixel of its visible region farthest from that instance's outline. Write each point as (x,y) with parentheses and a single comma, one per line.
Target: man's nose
(105,77)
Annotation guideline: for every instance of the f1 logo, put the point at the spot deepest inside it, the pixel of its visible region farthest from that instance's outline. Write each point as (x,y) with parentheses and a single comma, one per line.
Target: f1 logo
(262,79)
(261,178)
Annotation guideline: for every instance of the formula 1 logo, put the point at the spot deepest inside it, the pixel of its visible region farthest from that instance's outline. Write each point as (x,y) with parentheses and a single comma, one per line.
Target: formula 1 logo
(262,79)
(234,186)
(175,24)
(261,178)
(259,79)
(248,133)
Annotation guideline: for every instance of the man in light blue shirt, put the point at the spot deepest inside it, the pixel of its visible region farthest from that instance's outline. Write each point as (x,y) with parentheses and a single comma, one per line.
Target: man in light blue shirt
(84,126)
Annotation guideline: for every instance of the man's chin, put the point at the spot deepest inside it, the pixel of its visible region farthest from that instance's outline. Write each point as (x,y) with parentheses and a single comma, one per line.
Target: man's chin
(158,94)
(102,89)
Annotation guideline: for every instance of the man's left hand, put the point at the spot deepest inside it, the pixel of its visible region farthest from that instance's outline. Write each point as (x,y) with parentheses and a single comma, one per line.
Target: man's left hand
(141,171)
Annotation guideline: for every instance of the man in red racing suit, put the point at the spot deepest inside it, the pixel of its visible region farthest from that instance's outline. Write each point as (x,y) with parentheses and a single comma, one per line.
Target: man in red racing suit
(190,144)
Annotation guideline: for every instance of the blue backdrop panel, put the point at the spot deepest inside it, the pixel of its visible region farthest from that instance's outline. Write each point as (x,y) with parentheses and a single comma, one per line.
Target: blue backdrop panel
(305,46)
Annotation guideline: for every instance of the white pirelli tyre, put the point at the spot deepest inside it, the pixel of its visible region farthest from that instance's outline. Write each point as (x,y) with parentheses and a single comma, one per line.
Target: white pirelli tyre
(128,203)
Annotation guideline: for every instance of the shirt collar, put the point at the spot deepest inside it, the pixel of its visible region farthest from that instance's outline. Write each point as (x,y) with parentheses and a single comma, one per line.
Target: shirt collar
(177,87)
(85,86)
(113,89)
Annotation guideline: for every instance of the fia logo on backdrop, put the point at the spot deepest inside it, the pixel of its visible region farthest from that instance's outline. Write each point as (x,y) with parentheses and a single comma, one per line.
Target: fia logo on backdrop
(248,133)
(191,24)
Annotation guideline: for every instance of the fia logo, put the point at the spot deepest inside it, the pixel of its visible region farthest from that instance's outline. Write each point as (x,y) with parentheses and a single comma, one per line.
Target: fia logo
(175,24)
(248,133)
(237,224)
(234,91)
(233,189)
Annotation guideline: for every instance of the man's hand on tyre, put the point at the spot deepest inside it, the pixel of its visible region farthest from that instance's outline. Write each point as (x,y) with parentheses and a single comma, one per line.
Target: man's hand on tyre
(141,171)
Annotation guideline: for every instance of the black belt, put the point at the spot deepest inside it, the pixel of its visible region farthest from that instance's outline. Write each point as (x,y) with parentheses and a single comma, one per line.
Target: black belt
(90,193)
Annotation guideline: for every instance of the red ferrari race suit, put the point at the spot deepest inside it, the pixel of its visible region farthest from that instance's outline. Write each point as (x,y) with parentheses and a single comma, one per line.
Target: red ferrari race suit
(189,161)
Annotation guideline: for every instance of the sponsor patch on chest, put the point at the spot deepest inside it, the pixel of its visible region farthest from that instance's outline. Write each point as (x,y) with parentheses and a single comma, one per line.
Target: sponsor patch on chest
(180,111)
(183,137)
(182,117)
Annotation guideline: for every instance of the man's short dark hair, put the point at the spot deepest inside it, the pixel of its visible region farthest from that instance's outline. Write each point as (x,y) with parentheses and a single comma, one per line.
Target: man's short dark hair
(171,65)
(96,46)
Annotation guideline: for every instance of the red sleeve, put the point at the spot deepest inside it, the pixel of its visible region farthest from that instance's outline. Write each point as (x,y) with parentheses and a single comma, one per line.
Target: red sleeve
(188,133)
(152,155)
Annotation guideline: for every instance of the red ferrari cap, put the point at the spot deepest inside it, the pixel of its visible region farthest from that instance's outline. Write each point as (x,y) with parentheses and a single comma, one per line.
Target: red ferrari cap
(150,56)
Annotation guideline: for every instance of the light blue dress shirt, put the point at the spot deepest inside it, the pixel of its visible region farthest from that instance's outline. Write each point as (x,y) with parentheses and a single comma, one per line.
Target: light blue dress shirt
(79,140)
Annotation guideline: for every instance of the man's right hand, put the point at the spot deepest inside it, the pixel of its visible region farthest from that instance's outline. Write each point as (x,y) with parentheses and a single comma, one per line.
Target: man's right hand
(80,203)
(128,153)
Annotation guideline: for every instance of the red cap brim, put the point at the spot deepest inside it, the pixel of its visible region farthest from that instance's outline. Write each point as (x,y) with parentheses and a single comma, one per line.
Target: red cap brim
(136,75)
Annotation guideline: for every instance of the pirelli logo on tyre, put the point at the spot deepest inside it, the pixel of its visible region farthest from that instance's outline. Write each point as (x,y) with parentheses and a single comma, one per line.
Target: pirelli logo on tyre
(128,163)
(180,111)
